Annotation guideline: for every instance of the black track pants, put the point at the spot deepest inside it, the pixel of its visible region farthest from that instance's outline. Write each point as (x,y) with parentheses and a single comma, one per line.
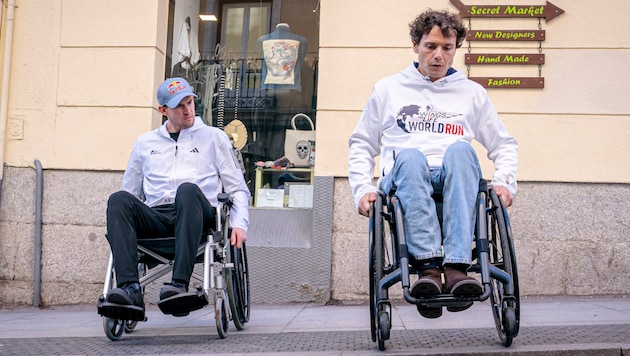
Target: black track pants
(128,219)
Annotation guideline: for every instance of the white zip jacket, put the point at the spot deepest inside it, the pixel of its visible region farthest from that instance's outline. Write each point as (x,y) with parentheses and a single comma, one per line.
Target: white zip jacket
(406,110)
(202,155)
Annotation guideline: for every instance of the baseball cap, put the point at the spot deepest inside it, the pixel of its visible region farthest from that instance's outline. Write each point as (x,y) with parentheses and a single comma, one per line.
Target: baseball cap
(172,91)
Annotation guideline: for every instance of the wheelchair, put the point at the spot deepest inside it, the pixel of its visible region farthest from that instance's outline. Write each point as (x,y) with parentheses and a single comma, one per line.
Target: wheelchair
(225,277)
(493,259)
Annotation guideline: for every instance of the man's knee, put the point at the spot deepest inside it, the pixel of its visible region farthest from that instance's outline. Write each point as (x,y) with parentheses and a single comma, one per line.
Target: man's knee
(119,199)
(409,165)
(460,160)
(460,148)
(460,151)
(187,192)
(411,156)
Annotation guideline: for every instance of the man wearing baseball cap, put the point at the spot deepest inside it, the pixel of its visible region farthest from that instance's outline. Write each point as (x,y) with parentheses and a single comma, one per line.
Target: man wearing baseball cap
(171,184)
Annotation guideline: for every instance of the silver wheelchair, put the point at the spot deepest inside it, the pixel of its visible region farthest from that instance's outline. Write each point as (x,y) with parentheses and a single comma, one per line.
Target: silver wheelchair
(493,255)
(224,280)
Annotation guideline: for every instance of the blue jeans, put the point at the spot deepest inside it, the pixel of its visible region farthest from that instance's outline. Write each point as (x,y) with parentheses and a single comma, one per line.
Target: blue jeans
(458,181)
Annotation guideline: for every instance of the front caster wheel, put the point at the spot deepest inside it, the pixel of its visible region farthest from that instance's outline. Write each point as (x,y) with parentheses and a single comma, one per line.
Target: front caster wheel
(510,326)
(221,318)
(113,328)
(384,327)
(130,326)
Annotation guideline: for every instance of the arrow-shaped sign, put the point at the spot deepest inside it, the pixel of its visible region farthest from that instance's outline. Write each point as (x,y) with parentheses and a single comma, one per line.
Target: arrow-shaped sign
(548,11)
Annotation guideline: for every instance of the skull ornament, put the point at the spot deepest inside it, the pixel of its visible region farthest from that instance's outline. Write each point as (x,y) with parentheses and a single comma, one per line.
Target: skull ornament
(303,149)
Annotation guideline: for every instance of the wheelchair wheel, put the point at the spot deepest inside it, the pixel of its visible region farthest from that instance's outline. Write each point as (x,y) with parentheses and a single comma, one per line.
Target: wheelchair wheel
(505,309)
(384,327)
(113,328)
(130,326)
(238,286)
(221,317)
(379,317)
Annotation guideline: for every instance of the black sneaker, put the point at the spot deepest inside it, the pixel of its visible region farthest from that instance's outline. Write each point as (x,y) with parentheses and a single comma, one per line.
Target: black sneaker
(172,289)
(129,294)
(176,300)
(125,303)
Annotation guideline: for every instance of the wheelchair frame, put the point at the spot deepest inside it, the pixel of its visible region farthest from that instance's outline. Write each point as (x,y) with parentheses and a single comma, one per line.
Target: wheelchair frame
(493,258)
(225,276)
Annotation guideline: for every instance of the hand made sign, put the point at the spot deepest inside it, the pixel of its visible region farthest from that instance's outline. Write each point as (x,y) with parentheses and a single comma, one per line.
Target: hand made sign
(548,11)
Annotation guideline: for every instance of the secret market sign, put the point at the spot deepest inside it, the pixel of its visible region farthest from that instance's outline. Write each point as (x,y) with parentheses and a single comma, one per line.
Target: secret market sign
(548,11)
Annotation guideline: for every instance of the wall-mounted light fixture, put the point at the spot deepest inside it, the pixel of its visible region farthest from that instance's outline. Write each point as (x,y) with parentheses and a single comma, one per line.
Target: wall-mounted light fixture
(208,18)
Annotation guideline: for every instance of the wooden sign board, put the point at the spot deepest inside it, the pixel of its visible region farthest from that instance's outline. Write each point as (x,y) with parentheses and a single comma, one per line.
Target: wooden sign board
(496,58)
(510,82)
(548,11)
(505,35)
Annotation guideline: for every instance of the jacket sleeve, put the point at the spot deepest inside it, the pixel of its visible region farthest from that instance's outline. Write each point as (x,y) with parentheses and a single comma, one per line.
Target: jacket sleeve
(364,146)
(132,179)
(233,184)
(502,148)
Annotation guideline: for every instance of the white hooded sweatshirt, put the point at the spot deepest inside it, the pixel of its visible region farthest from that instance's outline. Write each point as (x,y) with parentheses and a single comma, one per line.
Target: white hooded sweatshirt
(202,155)
(406,110)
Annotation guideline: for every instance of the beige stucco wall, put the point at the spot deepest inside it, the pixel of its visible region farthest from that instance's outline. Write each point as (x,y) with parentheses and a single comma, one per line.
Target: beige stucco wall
(83,79)
(573,130)
(84,74)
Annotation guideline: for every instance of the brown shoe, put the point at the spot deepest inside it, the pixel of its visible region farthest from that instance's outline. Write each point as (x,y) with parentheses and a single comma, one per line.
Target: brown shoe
(429,284)
(460,284)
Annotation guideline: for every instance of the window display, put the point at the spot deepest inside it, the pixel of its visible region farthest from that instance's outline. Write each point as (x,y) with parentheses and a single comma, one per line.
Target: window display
(282,52)
(255,73)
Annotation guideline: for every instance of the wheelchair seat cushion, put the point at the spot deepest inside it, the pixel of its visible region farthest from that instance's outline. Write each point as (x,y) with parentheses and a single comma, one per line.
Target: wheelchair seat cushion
(164,247)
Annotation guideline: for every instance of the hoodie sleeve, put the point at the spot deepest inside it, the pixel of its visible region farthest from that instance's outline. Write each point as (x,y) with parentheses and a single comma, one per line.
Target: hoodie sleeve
(502,148)
(364,146)
(132,179)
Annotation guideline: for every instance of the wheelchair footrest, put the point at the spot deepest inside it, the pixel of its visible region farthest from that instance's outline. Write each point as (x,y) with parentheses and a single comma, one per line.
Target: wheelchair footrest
(120,311)
(452,303)
(182,304)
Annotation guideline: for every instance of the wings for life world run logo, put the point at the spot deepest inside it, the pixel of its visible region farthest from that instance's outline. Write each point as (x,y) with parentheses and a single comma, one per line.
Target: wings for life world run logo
(413,118)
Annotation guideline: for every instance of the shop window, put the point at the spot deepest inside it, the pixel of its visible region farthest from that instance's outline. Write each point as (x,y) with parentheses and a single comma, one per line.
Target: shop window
(255,71)
(241,25)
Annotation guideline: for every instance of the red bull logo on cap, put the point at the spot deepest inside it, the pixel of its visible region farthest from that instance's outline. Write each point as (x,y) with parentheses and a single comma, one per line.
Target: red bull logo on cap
(175,86)
(172,90)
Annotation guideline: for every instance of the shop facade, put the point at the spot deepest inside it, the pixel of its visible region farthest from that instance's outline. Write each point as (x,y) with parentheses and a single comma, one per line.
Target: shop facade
(78,86)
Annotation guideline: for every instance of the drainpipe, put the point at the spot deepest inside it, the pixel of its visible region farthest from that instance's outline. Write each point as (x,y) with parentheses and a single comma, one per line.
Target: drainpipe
(4,89)
(37,265)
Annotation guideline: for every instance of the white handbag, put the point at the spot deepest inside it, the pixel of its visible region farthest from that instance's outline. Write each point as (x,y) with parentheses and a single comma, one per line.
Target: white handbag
(299,143)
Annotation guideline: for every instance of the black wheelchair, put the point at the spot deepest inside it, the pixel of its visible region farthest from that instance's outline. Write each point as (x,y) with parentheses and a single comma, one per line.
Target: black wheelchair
(225,277)
(493,258)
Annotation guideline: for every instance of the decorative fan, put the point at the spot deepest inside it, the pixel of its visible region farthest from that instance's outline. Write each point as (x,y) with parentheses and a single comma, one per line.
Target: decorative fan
(237,132)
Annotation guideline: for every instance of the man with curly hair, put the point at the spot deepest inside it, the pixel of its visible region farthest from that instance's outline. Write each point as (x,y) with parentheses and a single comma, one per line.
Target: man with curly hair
(421,122)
